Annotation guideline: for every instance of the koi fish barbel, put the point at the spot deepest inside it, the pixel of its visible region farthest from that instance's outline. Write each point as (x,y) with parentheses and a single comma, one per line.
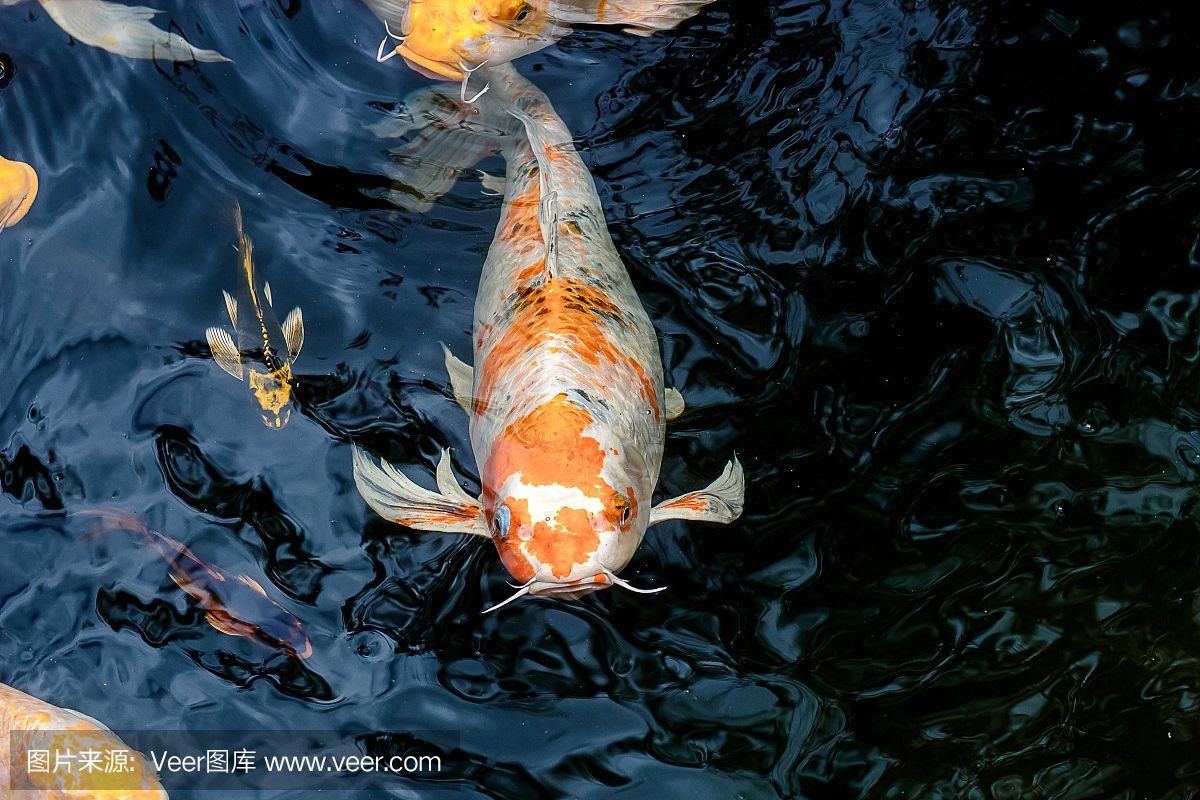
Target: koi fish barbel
(566,399)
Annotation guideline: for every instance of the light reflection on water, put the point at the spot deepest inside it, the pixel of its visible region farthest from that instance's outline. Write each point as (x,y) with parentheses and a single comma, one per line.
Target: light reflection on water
(929,268)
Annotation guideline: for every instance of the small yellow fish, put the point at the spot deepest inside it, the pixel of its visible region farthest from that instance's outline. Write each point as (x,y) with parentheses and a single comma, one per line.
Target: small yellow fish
(120,29)
(18,188)
(452,38)
(22,715)
(260,336)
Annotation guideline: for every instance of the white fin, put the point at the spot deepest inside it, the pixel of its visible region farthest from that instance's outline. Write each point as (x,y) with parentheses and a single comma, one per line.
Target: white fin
(448,484)
(548,208)
(224,351)
(675,404)
(392,12)
(267,293)
(462,379)
(293,333)
(123,30)
(493,185)
(720,501)
(640,17)
(394,497)
(231,307)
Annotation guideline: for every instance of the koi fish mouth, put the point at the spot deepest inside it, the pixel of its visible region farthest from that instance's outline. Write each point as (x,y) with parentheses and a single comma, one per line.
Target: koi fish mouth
(572,590)
(430,67)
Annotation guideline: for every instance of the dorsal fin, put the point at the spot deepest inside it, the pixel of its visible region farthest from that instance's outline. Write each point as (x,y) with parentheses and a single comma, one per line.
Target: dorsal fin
(548,206)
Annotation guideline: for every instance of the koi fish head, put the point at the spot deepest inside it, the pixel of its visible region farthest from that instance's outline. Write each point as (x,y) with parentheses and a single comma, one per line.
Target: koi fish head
(565,512)
(273,391)
(449,38)
(284,631)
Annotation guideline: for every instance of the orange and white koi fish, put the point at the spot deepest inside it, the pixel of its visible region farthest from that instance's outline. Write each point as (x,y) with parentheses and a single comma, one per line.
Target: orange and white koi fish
(566,398)
(259,337)
(22,716)
(123,30)
(237,607)
(18,188)
(452,38)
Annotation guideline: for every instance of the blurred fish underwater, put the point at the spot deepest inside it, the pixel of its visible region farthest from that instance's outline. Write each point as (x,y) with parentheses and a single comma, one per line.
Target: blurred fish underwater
(929,268)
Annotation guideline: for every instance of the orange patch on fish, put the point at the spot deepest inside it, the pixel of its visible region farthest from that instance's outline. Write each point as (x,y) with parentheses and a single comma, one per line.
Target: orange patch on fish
(562,308)
(568,541)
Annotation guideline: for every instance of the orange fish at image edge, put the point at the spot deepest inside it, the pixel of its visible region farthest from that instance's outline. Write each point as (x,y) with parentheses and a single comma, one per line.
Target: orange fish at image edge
(18,188)
(22,716)
(236,606)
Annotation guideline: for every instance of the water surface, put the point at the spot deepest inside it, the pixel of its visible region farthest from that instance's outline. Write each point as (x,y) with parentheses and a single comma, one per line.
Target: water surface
(932,269)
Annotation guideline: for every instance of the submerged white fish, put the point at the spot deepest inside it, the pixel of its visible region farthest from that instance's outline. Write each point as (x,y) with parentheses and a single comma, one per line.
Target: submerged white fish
(120,29)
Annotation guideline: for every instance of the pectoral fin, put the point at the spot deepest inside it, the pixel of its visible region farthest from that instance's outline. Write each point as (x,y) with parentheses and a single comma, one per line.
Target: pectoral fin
(390,11)
(394,497)
(641,17)
(675,404)
(720,501)
(123,30)
(225,352)
(293,333)
(448,484)
(462,379)
(228,625)
(231,307)
(253,584)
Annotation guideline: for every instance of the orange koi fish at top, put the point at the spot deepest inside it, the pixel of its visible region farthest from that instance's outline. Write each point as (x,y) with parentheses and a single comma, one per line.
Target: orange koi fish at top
(452,38)
(566,398)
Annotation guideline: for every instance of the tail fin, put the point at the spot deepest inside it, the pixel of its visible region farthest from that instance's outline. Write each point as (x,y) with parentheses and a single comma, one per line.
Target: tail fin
(123,30)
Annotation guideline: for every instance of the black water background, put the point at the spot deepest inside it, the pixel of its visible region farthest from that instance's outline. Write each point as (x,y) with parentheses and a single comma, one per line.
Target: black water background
(931,268)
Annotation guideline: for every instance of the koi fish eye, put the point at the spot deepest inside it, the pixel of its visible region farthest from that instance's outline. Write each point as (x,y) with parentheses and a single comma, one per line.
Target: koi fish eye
(501,518)
(522,13)
(623,507)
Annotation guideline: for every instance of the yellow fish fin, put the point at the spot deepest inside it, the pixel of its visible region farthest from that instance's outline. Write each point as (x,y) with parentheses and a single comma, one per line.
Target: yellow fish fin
(293,333)
(225,352)
(231,307)
(720,501)
(675,404)
(226,624)
(253,584)
(123,30)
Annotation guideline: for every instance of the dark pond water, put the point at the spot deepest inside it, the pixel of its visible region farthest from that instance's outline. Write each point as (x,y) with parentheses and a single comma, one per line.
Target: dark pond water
(932,269)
